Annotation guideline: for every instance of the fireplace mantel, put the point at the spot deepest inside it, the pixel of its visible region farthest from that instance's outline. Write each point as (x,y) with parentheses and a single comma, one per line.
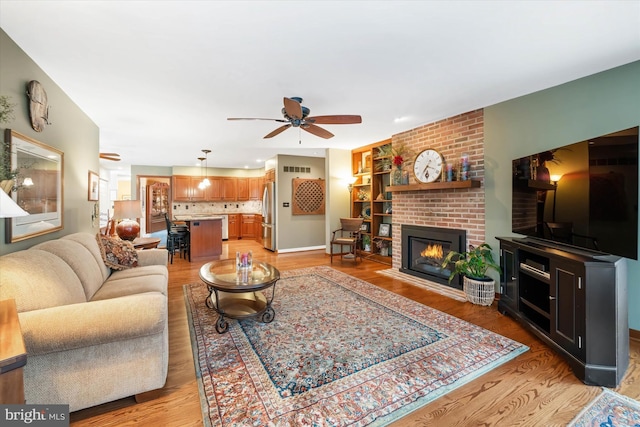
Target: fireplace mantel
(434,186)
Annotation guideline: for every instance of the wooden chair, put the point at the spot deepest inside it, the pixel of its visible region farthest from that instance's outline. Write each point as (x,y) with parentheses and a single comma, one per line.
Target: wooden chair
(347,235)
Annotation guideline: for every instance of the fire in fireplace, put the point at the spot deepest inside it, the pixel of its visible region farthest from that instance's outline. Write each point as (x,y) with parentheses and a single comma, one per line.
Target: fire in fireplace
(424,249)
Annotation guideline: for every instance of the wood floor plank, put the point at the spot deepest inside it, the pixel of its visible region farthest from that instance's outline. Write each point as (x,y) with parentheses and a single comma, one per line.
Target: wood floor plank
(537,388)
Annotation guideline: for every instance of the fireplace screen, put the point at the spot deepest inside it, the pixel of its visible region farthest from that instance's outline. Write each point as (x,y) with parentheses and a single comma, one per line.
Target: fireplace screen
(424,249)
(427,256)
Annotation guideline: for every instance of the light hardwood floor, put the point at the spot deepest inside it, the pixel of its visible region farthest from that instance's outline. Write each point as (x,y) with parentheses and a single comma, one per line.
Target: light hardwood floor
(535,389)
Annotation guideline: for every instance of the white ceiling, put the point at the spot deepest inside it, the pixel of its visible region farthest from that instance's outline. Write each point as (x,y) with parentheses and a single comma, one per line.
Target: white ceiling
(160,78)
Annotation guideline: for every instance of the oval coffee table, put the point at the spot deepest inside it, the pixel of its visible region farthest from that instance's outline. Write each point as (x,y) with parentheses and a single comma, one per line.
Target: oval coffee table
(239,294)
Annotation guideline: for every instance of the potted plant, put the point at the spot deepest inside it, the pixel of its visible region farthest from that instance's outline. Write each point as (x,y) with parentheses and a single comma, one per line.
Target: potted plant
(473,265)
(366,242)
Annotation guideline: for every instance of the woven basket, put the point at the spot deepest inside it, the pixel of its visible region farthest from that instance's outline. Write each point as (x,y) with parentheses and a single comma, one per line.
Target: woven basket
(481,292)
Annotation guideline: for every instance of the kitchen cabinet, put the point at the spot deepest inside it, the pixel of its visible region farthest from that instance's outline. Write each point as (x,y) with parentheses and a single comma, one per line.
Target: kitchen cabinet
(242,189)
(247,226)
(233,226)
(229,189)
(205,236)
(255,188)
(185,189)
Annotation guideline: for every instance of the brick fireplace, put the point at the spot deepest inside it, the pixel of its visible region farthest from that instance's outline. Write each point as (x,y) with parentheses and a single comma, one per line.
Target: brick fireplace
(461,209)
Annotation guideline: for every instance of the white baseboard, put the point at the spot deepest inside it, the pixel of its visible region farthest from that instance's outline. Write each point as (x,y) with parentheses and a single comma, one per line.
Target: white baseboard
(308,248)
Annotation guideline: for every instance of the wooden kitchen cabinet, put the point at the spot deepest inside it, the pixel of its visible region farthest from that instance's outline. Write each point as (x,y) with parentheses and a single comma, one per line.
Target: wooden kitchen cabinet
(233,226)
(247,226)
(185,189)
(255,188)
(229,189)
(242,188)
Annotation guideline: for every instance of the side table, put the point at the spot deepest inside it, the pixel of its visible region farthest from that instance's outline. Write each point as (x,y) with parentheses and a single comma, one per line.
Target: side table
(146,242)
(13,355)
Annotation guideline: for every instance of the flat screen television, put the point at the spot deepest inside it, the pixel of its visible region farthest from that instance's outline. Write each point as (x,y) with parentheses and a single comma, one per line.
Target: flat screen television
(584,195)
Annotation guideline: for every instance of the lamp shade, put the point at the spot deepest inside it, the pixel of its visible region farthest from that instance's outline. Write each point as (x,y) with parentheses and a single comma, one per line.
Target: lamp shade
(9,208)
(128,211)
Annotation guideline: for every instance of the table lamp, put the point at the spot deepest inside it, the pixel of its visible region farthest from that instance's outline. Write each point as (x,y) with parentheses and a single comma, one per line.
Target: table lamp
(9,208)
(127,211)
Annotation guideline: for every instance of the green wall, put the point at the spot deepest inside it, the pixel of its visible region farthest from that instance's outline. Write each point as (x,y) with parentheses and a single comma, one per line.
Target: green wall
(71,131)
(572,112)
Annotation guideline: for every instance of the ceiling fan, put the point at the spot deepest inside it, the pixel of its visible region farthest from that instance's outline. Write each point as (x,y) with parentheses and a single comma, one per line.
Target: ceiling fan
(110,156)
(297,115)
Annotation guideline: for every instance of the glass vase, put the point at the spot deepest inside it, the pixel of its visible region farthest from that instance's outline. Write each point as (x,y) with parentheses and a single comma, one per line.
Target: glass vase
(396,176)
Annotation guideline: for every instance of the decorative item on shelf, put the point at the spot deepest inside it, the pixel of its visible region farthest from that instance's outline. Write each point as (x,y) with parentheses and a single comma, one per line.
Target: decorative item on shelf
(428,166)
(366,212)
(362,195)
(128,211)
(383,246)
(450,172)
(396,176)
(383,164)
(385,230)
(366,242)
(473,265)
(464,167)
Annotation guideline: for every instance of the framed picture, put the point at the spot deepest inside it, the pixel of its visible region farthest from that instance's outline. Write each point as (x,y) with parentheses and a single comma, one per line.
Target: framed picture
(94,187)
(364,227)
(385,230)
(38,178)
(366,161)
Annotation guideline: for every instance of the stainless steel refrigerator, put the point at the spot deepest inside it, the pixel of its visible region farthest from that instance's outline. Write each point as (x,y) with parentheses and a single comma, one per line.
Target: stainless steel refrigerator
(269,216)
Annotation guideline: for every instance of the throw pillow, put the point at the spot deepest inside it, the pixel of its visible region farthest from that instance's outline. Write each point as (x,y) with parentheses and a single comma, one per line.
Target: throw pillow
(117,254)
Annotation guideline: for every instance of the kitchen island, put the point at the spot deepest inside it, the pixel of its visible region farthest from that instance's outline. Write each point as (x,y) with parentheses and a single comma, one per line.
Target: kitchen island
(205,234)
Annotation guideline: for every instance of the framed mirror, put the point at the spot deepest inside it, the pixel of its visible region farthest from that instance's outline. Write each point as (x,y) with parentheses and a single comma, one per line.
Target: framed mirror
(37,188)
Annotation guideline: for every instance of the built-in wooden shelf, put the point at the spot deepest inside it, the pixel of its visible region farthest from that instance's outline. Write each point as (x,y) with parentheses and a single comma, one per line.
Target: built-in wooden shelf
(450,185)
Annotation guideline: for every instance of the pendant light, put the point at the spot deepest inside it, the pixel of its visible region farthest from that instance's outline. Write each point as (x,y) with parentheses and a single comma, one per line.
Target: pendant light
(205,181)
(201,185)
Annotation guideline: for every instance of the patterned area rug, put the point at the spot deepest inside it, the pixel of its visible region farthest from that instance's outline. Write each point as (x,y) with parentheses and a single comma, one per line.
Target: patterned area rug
(339,352)
(610,409)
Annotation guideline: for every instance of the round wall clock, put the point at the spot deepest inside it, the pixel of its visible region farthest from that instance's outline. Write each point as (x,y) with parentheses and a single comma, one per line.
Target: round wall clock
(428,166)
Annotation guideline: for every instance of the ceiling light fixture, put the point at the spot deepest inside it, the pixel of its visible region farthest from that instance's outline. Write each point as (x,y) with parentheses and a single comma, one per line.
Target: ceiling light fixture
(205,181)
(202,185)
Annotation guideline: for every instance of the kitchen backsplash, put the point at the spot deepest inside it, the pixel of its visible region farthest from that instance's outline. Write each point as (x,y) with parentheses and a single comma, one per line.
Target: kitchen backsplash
(186,208)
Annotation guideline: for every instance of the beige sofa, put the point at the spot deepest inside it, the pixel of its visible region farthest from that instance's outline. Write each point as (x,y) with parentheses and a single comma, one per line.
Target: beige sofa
(92,334)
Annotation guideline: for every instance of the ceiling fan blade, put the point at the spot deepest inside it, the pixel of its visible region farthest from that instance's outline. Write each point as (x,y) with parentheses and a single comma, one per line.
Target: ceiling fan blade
(255,118)
(110,156)
(335,120)
(292,108)
(277,131)
(317,130)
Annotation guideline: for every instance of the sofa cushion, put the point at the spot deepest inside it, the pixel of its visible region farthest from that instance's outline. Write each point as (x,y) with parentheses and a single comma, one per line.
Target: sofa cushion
(133,281)
(80,260)
(91,324)
(117,254)
(38,279)
(88,240)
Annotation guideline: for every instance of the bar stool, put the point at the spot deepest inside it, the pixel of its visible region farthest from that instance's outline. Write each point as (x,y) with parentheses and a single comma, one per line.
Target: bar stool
(178,239)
